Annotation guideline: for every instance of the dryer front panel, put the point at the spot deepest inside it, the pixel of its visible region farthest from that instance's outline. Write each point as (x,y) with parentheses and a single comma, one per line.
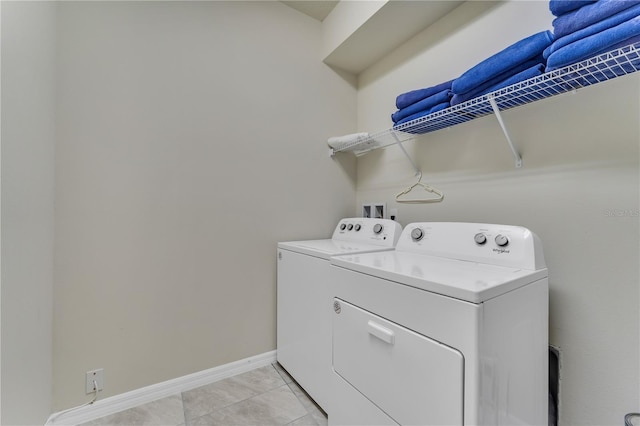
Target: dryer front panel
(410,377)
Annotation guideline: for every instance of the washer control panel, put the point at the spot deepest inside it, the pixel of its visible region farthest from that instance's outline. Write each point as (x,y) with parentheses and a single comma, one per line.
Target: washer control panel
(384,232)
(504,245)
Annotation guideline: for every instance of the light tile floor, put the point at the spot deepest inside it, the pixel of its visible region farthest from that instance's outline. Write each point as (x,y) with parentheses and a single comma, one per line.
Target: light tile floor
(264,396)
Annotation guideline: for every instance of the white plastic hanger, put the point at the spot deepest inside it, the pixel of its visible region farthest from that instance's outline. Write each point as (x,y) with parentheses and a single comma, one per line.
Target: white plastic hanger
(439,195)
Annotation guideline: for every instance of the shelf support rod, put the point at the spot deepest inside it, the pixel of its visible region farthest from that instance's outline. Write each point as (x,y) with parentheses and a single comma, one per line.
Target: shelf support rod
(496,111)
(406,153)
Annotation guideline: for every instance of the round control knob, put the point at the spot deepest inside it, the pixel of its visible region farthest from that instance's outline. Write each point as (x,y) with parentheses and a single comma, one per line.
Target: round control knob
(417,234)
(480,238)
(350,227)
(343,226)
(377,228)
(501,240)
(357,227)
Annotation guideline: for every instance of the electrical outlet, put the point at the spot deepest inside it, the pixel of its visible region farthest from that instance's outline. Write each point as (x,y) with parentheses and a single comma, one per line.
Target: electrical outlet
(98,377)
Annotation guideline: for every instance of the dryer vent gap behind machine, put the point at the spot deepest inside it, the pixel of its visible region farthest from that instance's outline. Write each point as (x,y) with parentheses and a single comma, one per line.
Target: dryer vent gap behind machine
(451,328)
(305,297)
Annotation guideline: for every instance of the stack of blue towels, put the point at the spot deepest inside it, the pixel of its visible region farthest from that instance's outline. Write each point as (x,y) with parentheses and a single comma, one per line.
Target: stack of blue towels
(584,29)
(581,29)
(519,61)
(421,102)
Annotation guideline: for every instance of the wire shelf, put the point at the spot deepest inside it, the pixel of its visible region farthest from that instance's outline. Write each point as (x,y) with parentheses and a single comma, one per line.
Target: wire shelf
(607,66)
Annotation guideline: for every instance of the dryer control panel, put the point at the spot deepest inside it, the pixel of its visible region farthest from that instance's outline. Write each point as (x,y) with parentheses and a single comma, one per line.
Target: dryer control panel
(503,245)
(382,232)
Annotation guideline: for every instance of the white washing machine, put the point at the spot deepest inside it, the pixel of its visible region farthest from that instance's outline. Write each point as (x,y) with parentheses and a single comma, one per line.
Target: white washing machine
(305,299)
(451,328)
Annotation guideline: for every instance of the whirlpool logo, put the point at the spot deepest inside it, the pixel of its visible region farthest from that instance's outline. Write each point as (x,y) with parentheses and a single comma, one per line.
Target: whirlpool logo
(501,250)
(621,213)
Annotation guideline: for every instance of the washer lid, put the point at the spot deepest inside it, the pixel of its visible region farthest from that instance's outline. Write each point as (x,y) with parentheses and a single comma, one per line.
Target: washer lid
(471,281)
(324,249)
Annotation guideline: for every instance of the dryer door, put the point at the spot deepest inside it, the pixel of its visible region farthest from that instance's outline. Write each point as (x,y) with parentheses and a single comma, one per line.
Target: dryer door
(413,379)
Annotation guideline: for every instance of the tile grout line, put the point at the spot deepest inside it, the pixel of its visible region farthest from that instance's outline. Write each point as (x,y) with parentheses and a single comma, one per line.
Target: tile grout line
(310,411)
(242,400)
(288,384)
(307,412)
(251,397)
(184,409)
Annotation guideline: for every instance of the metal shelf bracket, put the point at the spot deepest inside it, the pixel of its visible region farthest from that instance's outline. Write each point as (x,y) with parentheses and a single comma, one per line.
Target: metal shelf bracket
(498,115)
(407,154)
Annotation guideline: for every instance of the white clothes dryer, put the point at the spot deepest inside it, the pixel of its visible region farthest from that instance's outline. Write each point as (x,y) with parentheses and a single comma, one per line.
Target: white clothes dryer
(304,298)
(451,328)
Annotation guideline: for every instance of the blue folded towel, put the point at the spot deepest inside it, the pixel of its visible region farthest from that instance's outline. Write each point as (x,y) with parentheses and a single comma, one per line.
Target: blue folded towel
(425,104)
(605,70)
(502,61)
(406,99)
(533,71)
(482,88)
(560,7)
(595,28)
(589,15)
(595,44)
(420,128)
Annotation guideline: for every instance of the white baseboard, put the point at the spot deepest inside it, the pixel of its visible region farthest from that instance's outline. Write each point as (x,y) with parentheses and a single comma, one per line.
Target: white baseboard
(124,401)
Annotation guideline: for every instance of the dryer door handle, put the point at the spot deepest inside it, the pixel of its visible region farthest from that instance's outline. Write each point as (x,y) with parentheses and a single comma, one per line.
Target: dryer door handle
(382,333)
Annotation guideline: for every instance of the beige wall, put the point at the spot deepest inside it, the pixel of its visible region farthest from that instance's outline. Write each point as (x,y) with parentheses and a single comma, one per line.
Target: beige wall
(191,138)
(578,190)
(28,127)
